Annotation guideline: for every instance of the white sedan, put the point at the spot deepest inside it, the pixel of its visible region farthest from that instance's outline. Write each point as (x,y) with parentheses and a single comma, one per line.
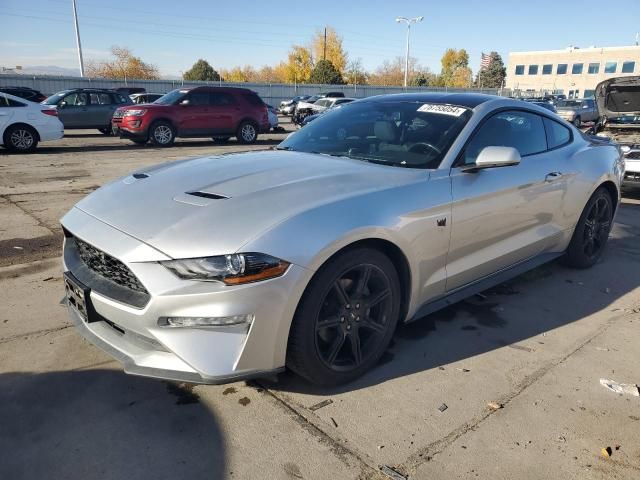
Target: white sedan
(23,124)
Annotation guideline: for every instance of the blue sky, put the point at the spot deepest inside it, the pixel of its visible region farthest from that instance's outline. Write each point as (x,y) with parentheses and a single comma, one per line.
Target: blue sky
(172,35)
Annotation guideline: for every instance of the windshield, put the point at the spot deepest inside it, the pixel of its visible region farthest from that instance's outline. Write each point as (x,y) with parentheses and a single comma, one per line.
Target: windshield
(569,103)
(172,97)
(398,133)
(54,99)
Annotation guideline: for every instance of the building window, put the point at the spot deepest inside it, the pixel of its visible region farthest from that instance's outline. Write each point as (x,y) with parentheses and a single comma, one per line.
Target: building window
(533,69)
(594,68)
(546,69)
(576,69)
(589,93)
(610,67)
(628,67)
(562,69)
(519,69)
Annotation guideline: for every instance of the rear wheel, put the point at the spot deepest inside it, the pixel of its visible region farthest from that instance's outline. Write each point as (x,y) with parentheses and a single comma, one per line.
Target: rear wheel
(346,318)
(247,133)
(577,122)
(162,134)
(20,139)
(592,231)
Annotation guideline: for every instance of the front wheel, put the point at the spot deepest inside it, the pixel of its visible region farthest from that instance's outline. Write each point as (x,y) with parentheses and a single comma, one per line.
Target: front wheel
(20,139)
(577,122)
(346,318)
(592,231)
(162,134)
(247,133)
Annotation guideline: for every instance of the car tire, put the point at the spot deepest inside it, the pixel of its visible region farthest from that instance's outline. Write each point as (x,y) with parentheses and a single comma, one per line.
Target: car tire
(108,131)
(346,318)
(220,139)
(162,134)
(577,122)
(247,133)
(20,139)
(592,231)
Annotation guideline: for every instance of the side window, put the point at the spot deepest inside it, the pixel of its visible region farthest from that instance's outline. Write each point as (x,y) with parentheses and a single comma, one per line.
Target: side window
(8,102)
(557,135)
(120,98)
(523,131)
(104,99)
(198,98)
(77,99)
(221,99)
(253,99)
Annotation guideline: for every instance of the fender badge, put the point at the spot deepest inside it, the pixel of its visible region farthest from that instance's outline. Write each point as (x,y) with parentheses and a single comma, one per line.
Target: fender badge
(442,222)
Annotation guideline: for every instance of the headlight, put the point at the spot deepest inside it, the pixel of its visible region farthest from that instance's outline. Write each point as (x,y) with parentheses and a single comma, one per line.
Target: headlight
(134,113)
(234,269)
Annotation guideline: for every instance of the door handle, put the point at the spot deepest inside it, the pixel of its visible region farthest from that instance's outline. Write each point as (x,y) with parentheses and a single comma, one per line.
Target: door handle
(550,177)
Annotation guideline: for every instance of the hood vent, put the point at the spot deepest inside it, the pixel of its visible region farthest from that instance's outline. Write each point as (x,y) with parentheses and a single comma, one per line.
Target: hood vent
(211,196)
(140,176)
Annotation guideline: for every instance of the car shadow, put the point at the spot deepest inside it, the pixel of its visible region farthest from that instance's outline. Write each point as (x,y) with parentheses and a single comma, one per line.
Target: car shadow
(513,314)
(103,424)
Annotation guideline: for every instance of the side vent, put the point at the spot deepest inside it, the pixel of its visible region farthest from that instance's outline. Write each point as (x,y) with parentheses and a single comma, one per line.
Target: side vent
(211,196)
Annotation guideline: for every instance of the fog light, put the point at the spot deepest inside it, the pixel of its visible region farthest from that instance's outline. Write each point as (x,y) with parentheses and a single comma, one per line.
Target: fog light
(206,321)
(135,123)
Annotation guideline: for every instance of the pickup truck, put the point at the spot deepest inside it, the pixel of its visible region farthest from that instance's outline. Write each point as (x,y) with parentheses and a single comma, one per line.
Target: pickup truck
(578,111)
(618,101)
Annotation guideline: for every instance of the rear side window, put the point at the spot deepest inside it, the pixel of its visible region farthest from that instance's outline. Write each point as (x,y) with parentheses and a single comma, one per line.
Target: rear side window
(557,135)
(221,99)
(101,99)
(523,131)
(8,102)
(77,99)
(253,99)
(198,98)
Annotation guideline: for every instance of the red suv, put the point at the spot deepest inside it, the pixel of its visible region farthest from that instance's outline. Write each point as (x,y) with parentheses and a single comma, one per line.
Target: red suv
(216,112)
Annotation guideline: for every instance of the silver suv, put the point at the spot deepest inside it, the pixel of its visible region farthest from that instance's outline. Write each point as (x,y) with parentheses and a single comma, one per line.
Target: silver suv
(578,111)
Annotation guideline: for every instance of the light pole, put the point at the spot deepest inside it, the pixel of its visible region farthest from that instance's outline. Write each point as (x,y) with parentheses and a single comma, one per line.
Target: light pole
(75,19)
(408,21)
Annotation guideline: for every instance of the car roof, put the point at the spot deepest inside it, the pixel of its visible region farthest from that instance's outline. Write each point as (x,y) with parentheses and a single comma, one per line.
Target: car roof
(470,100)
(209,88)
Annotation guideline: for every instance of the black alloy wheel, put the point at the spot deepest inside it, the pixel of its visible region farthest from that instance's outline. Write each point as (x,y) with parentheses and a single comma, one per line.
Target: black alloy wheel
(592,231)
(346,318)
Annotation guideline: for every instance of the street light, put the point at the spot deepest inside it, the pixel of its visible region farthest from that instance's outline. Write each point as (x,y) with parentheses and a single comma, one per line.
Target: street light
(408,21)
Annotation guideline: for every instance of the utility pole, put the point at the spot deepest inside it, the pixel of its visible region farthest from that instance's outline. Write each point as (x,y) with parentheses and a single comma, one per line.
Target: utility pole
(408,21)
(75,19)
(324,50)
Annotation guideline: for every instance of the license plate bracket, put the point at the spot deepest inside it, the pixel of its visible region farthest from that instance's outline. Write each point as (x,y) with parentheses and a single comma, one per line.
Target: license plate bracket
(77,296)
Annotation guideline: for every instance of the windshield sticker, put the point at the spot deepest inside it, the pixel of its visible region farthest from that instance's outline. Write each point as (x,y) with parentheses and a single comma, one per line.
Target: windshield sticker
(443,109)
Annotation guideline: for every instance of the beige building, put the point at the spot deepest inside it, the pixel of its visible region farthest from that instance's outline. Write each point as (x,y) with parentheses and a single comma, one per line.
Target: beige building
(574,71)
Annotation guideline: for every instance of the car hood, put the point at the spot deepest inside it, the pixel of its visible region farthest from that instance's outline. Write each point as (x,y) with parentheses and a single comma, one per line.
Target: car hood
(215,205)
(619,97)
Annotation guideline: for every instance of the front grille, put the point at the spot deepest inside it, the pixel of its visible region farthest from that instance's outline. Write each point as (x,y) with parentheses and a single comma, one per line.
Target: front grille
(108,267)
(118,114)
(633,154)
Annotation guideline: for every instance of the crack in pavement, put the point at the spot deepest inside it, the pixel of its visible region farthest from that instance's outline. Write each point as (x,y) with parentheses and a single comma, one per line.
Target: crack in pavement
(369,470)
(26,212)
(37,333)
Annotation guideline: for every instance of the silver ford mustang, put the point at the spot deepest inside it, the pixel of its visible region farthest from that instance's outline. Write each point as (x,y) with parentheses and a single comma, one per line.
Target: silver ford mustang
(308,256)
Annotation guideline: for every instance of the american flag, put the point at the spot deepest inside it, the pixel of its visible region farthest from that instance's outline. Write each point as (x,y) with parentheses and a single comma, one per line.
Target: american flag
(485,61)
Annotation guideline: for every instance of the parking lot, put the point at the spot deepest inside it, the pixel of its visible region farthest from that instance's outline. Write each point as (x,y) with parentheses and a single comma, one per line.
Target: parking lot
(503,385)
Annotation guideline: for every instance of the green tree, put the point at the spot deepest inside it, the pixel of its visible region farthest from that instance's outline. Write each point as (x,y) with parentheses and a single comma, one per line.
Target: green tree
(334,52)
(325,72)
(493,76)
(201,70)
(455,68)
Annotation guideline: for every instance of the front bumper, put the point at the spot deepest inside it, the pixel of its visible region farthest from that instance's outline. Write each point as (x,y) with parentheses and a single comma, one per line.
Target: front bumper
(200,355)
